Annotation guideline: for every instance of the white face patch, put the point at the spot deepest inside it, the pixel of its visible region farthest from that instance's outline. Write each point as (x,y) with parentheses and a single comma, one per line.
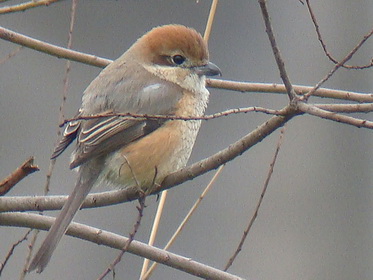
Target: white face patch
(189,81)
(180,76)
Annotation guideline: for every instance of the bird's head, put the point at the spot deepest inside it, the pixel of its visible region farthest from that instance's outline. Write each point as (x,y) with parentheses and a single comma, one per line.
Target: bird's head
(175,53)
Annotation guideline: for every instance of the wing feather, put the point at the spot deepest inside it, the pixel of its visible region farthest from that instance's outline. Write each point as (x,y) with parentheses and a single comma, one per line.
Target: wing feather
(105,139)
(118,89)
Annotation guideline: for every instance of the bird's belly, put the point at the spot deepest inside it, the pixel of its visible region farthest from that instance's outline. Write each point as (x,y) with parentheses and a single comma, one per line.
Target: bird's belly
(149,160)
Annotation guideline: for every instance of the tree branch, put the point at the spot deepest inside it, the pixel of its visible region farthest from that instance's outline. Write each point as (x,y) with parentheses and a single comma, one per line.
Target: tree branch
(119,196)
(321,40)
(17,175)
(280,88)
(53,50)
(313,110)
(276,51)
(339,65)
(116,241)
(60,52)
(259,203)
(347,108)
(25,6)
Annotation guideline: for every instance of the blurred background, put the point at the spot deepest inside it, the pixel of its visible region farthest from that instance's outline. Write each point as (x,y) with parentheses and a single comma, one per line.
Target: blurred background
(316,221)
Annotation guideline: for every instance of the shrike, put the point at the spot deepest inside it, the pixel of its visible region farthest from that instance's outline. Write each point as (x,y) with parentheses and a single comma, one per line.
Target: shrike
(162,73)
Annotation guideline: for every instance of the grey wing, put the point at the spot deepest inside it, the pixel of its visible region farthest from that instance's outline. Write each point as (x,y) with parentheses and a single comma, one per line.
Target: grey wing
(111,92)
(105,135)
(102,135)
(69,135)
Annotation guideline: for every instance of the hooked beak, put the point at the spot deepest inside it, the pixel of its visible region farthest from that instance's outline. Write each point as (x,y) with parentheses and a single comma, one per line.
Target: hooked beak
(210,69)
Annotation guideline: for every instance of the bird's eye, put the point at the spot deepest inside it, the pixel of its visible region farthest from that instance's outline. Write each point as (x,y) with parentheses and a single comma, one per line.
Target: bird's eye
(178,59)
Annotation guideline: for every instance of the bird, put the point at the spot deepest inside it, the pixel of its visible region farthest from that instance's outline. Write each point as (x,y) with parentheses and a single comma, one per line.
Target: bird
(162,73)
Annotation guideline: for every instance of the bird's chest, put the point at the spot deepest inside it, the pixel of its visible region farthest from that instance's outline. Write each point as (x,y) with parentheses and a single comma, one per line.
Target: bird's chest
(165,150)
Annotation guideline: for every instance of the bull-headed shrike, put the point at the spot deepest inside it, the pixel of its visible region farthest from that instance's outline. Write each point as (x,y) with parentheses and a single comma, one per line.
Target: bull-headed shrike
(162,73)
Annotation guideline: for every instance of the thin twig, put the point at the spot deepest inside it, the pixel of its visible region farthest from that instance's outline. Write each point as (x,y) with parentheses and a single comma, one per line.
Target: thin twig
(136,226)
(210,20)
(338,65)
(68,62)
(253,218)
(11,250)
(352,108)
(186,219)
(52,162)
(17,175)
(25,6)
(276,51)
(29,254)
(11,54)
(64,92)
(173,117)
(317,28)
(154,231)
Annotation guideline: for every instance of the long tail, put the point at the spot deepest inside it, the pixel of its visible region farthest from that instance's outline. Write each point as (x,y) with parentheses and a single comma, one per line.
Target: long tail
(58,229)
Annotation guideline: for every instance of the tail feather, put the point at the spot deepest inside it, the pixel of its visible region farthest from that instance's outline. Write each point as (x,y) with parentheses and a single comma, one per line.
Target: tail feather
(58,229)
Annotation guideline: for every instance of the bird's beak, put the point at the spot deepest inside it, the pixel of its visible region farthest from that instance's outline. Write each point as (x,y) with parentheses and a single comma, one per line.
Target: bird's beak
(210,69)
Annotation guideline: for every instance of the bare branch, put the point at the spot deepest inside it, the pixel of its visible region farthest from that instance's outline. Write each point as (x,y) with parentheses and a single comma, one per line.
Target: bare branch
(210,20)
(54,50)
(351,108)
(338,65)
(313,110)
(25,6)
(119,196)
(116,241)
(147,275)
(111,267)
(347,108)
(11,54)
(172,117)
(29,254)
(317,28)
(276,51)
(10,252)
(17,175)
(253,218)
(60,52)
(279,88)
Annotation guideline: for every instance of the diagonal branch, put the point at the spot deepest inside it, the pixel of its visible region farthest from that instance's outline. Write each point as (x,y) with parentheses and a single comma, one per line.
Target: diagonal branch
(259,203)
(25,6)
(136,227)
(17,175)
(51,49)
(321,40)
(276,51)
(28,203)
(339,65)
(116,241)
